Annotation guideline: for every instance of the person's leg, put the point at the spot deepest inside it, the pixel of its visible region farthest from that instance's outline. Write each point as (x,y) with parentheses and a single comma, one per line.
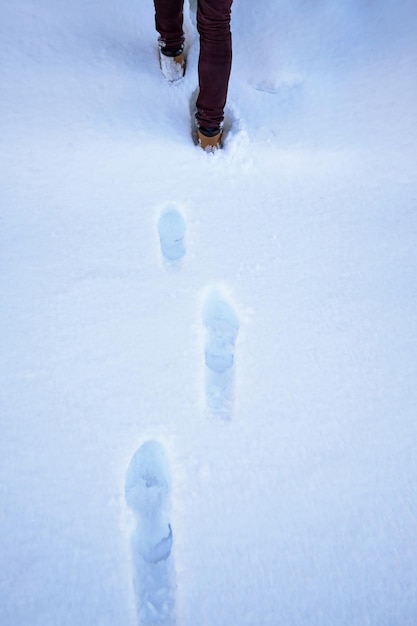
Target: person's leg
(215,61)
(168,21)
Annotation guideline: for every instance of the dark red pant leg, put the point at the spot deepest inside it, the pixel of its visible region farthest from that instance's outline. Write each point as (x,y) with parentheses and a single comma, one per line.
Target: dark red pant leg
(215,61)
(168,21)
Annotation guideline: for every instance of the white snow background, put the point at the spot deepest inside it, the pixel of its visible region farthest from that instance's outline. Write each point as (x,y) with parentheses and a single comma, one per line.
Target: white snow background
(295,504)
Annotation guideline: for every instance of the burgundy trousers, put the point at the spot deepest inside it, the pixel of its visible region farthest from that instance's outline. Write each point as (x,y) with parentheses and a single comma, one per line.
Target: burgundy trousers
(215,60)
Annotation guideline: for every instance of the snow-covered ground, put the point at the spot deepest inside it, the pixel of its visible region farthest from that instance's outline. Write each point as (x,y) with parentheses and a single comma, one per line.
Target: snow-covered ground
(270,369)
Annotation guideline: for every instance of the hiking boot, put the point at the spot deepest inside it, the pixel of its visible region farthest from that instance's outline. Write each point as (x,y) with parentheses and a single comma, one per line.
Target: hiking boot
(209,138)
(172,64)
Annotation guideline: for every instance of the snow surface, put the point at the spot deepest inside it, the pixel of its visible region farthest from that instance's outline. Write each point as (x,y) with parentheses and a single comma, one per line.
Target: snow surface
(299,508)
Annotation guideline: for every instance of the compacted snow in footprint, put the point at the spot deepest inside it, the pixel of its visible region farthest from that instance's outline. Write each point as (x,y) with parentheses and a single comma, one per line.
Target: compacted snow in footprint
(147,494)
(222,326)
(171,229)
(208,360)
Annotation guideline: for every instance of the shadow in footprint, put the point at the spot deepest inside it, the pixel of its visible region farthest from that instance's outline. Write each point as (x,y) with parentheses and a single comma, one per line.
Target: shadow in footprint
(171,230)
(193,111)
(147,494)
(222,327)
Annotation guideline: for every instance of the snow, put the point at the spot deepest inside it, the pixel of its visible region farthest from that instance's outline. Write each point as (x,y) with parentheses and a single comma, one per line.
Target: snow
(290,486)
(172,69)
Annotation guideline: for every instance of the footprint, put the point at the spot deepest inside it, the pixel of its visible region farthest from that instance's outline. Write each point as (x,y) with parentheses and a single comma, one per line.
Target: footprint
(222,327)
(147,494)
(278,83)
(171,230)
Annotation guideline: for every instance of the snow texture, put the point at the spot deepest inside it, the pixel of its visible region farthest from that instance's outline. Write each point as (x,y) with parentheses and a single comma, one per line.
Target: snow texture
(268,383)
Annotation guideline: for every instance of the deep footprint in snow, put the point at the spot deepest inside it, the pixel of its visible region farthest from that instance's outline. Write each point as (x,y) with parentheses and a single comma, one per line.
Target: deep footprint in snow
(171,230)
(147,494)
(234,136)
(222,327)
